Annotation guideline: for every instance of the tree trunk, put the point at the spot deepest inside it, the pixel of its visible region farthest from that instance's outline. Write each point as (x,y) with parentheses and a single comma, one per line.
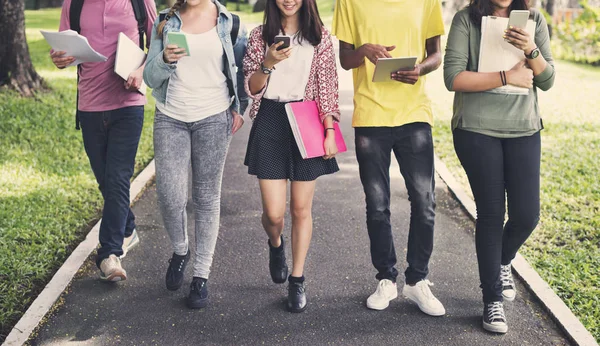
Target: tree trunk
(550,5)
(260,6)
(16,69)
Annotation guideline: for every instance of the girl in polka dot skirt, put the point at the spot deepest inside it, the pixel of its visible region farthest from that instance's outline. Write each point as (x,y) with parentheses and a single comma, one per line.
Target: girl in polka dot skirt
(306,70)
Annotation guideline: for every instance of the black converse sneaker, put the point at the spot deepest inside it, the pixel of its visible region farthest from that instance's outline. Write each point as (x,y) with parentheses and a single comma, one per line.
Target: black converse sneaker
(494,319)
(509,291)
(198,297)
(177,264)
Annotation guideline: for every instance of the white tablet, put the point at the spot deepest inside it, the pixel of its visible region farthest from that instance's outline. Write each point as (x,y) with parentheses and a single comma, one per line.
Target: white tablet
(385,67)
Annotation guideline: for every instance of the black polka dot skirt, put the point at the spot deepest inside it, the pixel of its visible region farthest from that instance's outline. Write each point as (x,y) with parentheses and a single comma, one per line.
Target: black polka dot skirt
(272,150)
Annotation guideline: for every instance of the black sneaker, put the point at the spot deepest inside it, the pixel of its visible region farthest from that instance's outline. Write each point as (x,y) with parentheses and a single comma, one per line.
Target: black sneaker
(198,297)
(277,263)
(494,319)
(296,296)
(175,271)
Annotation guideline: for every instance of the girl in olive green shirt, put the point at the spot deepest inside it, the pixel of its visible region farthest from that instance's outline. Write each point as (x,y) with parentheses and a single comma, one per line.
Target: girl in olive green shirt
(497,139)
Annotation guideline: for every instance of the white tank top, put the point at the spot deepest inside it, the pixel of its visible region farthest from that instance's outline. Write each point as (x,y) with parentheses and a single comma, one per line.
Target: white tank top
(198,87)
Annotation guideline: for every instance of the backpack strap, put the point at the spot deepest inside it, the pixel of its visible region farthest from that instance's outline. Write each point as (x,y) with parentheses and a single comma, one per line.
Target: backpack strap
(75,15)
(139,10)
(235,28)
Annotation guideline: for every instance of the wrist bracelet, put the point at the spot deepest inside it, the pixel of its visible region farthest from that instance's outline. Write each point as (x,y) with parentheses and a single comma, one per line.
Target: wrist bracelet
(503,77)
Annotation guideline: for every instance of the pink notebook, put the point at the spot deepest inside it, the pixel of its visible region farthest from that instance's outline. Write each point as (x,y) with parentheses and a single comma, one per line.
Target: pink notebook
(308,129)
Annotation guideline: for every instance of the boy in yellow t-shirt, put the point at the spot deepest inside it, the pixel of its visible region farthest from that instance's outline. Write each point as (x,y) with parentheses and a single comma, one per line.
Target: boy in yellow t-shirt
(394,116)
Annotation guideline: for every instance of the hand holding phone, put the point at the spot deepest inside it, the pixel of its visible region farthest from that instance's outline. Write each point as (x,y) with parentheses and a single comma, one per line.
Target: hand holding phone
(518,19)
(178,38)
(285,39)
(280,50)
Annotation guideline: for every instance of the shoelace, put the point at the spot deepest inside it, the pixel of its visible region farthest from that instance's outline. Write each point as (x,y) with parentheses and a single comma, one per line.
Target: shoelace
(506,276)
(198,285)
(299,288)
(426,291)
(181,262)
(496,312)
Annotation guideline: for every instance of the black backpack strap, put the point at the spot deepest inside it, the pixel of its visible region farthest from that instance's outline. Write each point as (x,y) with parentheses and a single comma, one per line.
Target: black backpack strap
(162,17)
(139,10)
(77,100)
(74,23)
(235,28)
(75,15)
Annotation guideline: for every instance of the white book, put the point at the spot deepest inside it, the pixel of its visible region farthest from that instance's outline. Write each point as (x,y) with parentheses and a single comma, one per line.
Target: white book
(496,55)
(73,45)
(128,59)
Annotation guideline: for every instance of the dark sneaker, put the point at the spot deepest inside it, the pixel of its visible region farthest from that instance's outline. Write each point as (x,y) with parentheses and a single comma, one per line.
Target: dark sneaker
(509,291)
(494,319)
(277,263)
(198,297)
(296,297)
(177,264)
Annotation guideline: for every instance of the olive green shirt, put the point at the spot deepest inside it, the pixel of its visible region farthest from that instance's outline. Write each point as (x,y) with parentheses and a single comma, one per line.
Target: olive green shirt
(493,114)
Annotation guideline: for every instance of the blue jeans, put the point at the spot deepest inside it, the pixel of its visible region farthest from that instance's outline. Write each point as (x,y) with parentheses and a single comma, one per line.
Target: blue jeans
(412,145)
(111,140)
(500,170)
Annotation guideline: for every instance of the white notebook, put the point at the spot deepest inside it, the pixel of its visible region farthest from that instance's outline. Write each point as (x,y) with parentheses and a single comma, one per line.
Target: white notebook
(496,55)
(129,58)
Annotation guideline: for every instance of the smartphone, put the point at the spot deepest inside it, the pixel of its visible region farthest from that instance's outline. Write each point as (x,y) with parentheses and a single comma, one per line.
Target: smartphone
(518,19)
(285,39)
(178,38)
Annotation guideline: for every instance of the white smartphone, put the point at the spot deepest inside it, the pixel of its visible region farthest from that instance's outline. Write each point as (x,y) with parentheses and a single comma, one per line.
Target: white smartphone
(518,19)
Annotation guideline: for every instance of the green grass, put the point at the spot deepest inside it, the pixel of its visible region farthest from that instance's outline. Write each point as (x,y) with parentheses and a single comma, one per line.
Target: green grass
(565,248)
(48,195)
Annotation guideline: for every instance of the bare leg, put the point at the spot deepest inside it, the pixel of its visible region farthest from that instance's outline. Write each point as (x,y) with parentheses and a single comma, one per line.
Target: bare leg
(301,207)
(274,194)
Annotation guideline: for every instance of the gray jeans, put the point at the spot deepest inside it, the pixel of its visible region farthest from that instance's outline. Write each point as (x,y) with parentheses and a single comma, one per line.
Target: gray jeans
(204,144)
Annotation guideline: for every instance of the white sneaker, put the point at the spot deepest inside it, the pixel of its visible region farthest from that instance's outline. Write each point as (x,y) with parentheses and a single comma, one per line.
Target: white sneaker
(386,291)
(509,291)
(111,270)
(130,242)
(421,294)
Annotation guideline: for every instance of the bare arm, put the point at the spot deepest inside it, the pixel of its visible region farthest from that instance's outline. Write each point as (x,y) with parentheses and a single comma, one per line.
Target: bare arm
(351,57)
(259,79)
(430,64)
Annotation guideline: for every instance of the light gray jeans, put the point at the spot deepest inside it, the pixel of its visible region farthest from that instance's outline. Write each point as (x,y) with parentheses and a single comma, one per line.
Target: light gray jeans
(204,145)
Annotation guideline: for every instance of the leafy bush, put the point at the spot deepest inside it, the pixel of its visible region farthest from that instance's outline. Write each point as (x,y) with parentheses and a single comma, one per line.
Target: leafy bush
(579,40)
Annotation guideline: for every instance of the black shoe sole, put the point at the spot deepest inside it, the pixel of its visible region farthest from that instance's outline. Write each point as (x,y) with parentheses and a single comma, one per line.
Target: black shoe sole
(200,304)
(297,311)
(174,288)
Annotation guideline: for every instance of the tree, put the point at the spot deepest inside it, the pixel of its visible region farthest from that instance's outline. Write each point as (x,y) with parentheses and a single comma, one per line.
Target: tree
(16,69)
(260,6)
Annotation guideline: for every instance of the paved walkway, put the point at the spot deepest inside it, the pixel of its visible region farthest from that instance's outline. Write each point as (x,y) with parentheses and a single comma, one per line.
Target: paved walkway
(247,308)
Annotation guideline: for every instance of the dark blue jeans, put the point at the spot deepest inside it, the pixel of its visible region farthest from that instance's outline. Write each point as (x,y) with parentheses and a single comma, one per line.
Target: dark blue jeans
(111,140)
(412,145)
(500,169)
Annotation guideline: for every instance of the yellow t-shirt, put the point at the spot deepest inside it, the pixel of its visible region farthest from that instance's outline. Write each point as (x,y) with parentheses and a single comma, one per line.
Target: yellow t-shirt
(407,25)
